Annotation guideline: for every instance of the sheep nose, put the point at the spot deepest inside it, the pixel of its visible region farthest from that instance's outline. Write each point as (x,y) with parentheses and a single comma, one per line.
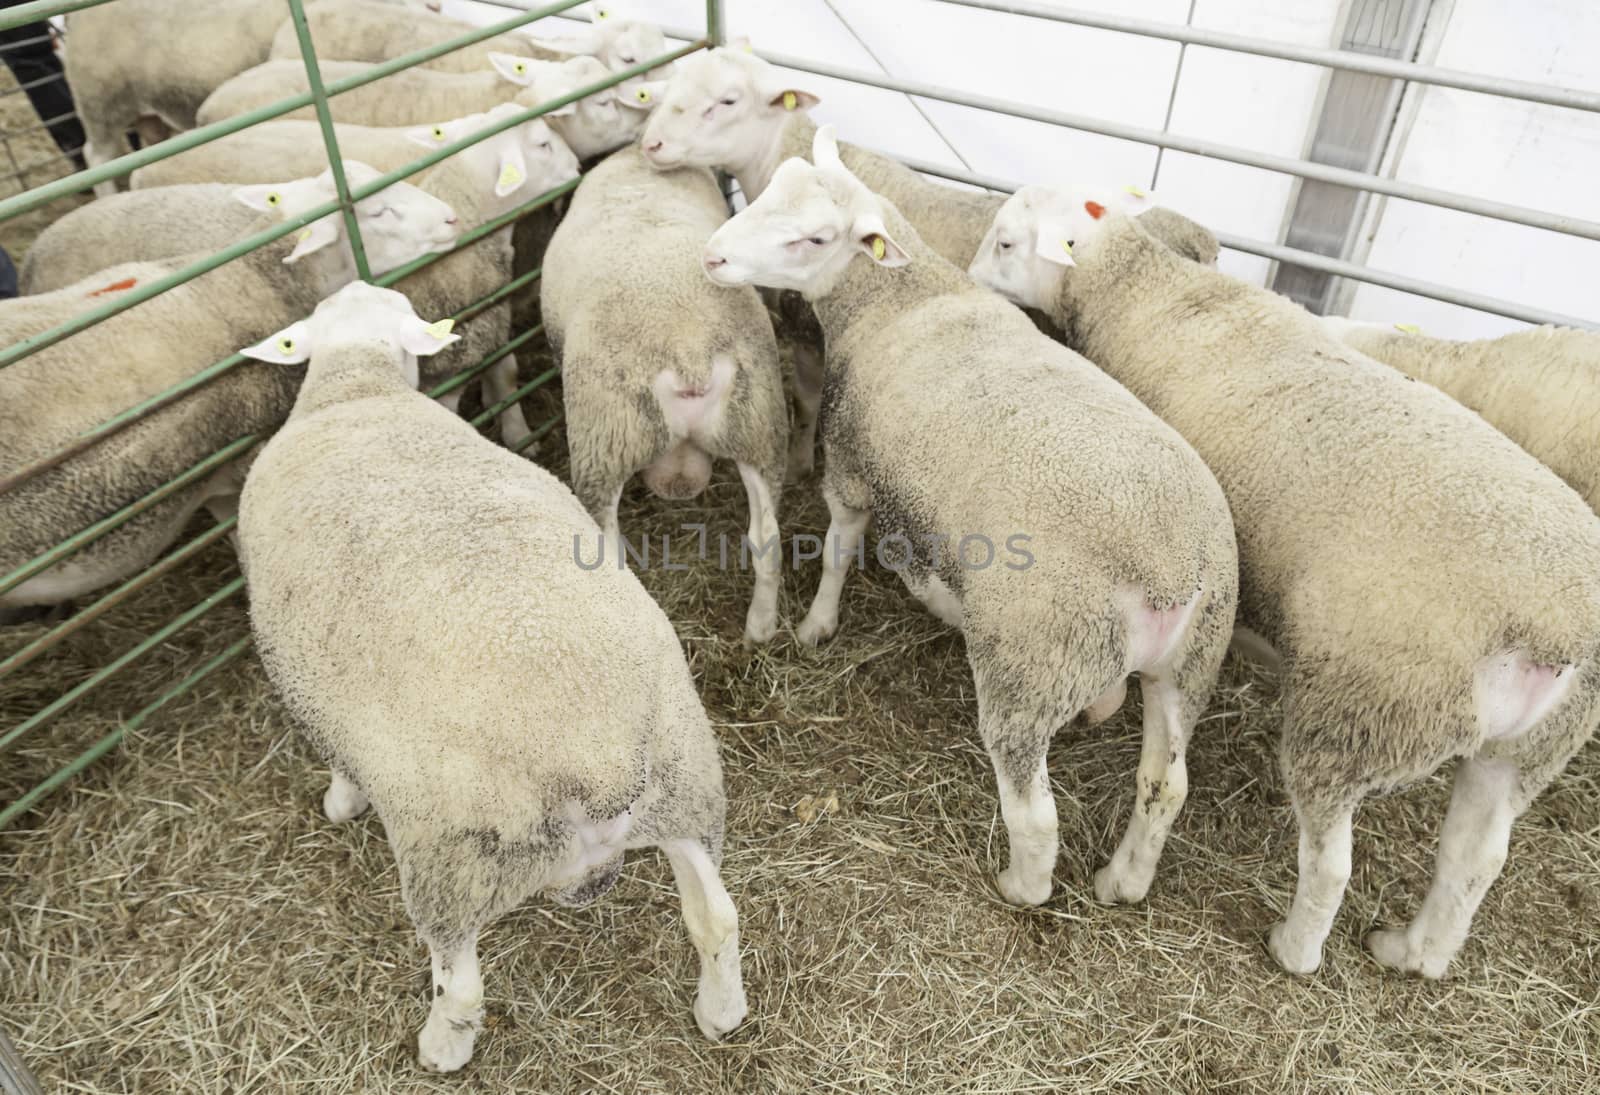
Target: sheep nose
(652,148)
(713,261)
(452,221)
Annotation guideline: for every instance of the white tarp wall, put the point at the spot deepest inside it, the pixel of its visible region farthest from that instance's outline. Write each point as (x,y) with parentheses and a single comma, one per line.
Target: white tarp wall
(1546,157)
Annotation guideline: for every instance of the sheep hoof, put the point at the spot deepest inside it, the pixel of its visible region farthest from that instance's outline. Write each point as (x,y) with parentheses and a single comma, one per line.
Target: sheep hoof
(1391,947)
(718,1018)
(443,1045)
(813,631)
(1020,892)
(1114,887)
(1290,956)
(339,804)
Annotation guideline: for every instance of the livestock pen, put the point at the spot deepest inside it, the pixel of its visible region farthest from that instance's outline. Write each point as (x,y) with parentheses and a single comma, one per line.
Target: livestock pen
(179,916)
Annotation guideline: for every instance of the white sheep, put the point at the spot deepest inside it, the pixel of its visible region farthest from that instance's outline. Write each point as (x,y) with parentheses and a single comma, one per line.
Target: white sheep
(367,30)
(661,372)
(481,182)
(728,109)
(956,426)
(1539,387)
(595,124)
(51,397)
(389,551)
(1433,589)
(152,63)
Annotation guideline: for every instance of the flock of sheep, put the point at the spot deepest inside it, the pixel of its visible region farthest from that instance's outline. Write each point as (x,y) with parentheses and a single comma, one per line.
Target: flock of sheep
(1185,459)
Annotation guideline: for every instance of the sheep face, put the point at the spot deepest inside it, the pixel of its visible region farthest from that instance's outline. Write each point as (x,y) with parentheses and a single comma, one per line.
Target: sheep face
(804,230)
(723,109)
(358,314)
(398,224)
(594,124)
(1030,245)
(618,40)
(517,164)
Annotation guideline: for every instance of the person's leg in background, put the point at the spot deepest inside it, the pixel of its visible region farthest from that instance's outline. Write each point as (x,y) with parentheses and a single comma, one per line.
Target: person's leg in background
(29,54)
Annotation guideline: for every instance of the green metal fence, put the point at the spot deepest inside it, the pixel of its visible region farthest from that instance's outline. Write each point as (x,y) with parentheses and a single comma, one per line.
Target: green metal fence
(318,97)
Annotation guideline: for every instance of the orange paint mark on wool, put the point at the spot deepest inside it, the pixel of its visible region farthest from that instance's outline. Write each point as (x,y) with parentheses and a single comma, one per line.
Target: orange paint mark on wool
(1094,209)
(116,287)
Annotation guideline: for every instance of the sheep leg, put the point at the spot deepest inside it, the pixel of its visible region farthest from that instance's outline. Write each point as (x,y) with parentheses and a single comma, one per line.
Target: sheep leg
(445,1042)
(451,401)
(106,142)
(1159,792)
(846,526)
(713,926)
(1472,851)
(343,800)
(498,384)
(766,555)
(1296,942)
(807,405)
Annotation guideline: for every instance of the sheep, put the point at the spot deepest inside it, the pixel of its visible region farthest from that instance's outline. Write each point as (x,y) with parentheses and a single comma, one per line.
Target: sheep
(419,97)
(373,574)
(1531,385)
(950,420)
(728,109)
(366,30)
(151,63)
(661,372)
(1434,591)
(480,182)
(50,398)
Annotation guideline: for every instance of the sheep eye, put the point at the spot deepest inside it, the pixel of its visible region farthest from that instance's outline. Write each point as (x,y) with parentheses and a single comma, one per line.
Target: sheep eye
(1004,245)
(627,60)
(817,240)
(545,145)
(730,100)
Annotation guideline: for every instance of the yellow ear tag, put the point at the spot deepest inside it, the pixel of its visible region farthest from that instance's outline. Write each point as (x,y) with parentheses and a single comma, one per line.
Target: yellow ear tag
(642,94)
(1067,247)
(789,100)
(286,345)
(441,329)
(602,13)
(878,248)
(1135,191)
(438,132)
(305,234)
(1408,328)
(510,176)
(274,198)
(520,68)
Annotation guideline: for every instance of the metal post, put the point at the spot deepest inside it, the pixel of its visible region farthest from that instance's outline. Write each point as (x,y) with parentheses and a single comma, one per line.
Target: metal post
(716,29)
(319,98)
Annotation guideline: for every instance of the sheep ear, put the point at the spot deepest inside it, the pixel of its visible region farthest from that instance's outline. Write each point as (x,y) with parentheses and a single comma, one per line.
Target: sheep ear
(874,241)
(1053,242)
(1135,200)
(314,237)
(428,136)
(791,98)
(266,198)
(519,70)
(585,40)
(513,169)
(290,346)
(645,94)
(825,149)
(985,247)
(420,338)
